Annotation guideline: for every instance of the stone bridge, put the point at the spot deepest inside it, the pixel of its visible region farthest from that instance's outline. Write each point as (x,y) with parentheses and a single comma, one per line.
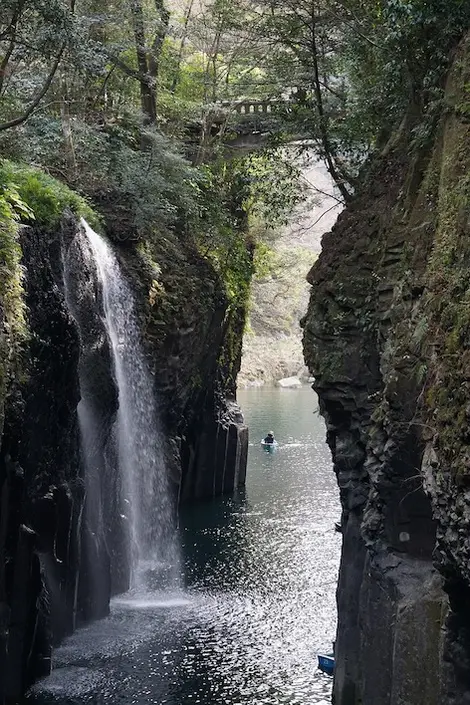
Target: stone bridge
(244,125)
(253,107)
(250,122)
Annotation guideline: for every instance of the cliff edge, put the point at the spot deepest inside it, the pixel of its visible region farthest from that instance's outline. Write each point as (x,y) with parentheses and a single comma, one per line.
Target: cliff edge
(386,337)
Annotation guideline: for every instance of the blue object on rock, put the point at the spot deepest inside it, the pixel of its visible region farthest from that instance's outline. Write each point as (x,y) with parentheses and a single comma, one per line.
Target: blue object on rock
(326,663)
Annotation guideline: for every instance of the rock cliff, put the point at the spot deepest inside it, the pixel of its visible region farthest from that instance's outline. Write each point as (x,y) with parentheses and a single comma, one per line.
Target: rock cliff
(193,335)
(61,548)
(387,338)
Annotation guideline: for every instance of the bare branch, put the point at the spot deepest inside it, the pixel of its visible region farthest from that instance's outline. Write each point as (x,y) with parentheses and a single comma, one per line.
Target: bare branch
(5,61)
(123,66)
(11,32)
(177,76)
(47,84)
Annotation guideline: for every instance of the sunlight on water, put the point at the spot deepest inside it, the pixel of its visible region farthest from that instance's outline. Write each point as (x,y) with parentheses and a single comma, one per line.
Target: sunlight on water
(150,601)
(259,602)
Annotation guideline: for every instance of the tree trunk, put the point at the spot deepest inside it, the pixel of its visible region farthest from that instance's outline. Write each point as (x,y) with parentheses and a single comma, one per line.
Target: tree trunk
(67,132)
(147,91)
(157,44)
(322,117)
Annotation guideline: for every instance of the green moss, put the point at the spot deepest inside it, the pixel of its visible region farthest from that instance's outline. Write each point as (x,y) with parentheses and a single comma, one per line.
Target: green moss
(11,291)
(233,262)
(331,367)
(12,208)
(27,196)
(230,354)
(448,282)
(46,197)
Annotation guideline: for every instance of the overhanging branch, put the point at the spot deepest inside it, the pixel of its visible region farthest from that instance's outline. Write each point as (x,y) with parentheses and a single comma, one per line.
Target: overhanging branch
(33,105)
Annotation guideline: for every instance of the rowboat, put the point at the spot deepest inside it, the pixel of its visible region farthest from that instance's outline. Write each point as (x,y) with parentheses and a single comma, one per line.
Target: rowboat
(326,663)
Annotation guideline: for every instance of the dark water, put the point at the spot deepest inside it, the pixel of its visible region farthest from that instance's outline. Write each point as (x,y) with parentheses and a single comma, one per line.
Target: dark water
(260,571)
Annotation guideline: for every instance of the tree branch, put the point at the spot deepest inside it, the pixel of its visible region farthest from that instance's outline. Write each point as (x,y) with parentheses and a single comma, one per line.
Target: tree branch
(103,86)
(5,61)
(125,68)
(322,117)
(47,84)
(176,77)
(11,31)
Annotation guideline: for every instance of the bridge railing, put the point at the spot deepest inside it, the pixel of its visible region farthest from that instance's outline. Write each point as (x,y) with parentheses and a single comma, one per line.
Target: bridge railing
(252,107)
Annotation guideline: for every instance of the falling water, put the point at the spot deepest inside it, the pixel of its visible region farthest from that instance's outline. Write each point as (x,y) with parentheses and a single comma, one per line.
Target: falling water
(146,501)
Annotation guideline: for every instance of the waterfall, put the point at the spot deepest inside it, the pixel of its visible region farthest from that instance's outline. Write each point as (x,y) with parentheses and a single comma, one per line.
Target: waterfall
(137,453)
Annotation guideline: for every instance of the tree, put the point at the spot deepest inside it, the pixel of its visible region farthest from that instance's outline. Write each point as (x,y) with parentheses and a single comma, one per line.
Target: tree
(33,40)
(351,70)
(148,54)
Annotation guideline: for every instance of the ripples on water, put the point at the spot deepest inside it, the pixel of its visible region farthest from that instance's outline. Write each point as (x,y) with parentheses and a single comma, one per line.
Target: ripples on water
(260,571)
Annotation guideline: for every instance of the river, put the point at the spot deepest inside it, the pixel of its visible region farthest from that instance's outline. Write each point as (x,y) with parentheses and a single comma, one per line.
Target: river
(260,570)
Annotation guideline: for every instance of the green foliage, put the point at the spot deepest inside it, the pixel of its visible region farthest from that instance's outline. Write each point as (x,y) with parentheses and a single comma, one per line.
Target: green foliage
(220,226)
(89,132)
(158,183)
(155,184)
(348,72)
(11,207)
(404,60)
(12,210)
(352,70)
(264,260)
(27,196)
(41,198)
(33,35)
(273,184)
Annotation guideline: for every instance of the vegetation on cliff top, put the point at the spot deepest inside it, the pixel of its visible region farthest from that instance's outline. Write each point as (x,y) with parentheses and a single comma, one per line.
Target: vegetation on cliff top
(12,209)
(40,198)
(109,101)
(109,95)
(130,104)
(30,197)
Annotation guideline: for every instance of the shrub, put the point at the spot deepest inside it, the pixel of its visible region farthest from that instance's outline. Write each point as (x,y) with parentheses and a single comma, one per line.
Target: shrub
(44,197)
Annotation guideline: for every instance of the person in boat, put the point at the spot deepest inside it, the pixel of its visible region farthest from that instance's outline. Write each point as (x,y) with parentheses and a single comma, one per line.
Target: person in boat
(269,438)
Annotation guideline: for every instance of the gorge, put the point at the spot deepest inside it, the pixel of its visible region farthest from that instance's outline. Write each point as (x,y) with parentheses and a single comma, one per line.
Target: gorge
(143,172)
(257,595)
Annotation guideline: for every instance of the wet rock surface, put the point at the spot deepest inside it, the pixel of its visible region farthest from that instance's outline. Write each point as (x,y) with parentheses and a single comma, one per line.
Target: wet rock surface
(40,485)
(193,334)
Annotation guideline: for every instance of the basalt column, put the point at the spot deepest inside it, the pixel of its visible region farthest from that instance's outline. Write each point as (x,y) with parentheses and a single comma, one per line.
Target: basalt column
(41,491)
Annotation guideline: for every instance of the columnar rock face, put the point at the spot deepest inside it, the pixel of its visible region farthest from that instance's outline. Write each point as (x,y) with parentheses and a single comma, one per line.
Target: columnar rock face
(193,334)
(214,461)
(40,484)
(62,532)
(386,337)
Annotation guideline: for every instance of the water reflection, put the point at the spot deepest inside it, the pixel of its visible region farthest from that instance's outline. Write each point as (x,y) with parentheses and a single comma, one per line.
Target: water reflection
(260,570)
